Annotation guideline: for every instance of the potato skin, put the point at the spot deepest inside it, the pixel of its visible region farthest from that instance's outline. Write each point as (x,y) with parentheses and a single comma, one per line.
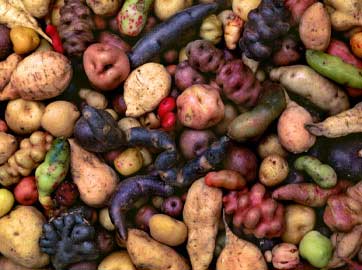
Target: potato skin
(270,145)
(37,8)
(273,170)
(200,107)
(164,9)
(118,260)
(7,264)
(23,116)
(59,118)
(315,27)
(291,131)
(19,239)
(147,253)
(167,230)
(8,146)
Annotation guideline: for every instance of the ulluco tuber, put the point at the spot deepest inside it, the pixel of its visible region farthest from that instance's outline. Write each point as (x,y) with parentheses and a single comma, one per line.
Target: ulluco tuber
(255,212)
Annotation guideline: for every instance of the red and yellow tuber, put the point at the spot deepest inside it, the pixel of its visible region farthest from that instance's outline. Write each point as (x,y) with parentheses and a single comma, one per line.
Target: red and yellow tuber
(255,212)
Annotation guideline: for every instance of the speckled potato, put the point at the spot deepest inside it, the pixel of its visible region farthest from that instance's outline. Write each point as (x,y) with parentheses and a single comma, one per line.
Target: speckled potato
(273,170)
(118,260)
(145,87)
(167,230)
(129,161)
(20,231)
(59,118)
(24,116)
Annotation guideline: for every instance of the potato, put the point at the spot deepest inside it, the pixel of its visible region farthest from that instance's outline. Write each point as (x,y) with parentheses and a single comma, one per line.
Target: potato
(147,253)
(6,201)
(270,145)
(356,44)
(129,161)
(7,67)
(145,87)
(273,170)
(59,118)
(7,264)
(243,7)
(167,230)
(25,40)
(128,122)
(299,220)
(104,7)
(194,143)
(230,113)
(44,46)
(345,14)
(211,29)
(291,131)
(118,260)
(41,75)
(19,235)
(164,9)
(55,13)
(105,220)
(37,8)
(23,116)
(96,181)
(94,98)
(8,146)
(200,107)
(315,27)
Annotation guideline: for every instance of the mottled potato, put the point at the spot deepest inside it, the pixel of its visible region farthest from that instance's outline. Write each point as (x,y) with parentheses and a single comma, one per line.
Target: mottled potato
(270,145)
(167,230)
(24,116)
(273,170)
(299,220)
(200,107)
(129,161)
(59,118)
(315,27)
(164,9)
(145,87)
(118,260)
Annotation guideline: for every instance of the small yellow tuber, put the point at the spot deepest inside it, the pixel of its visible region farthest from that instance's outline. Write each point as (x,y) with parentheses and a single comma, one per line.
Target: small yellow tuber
(233,26)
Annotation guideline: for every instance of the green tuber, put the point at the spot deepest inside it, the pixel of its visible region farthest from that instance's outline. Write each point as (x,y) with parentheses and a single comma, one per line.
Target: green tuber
(316,249)
(52,171)
(323,174)
(335,68)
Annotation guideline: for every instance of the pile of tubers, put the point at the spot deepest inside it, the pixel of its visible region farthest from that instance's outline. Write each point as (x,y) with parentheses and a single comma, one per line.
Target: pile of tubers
(204,135)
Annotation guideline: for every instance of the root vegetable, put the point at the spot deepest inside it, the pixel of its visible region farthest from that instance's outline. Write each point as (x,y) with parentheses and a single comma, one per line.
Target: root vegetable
(355,43)
(201,215)
(194,143)
(96,181)
(52,71)
(339,125)
(149,254)
(116,260)
(298,7)
(186,76)
(129,162)
(291,129)
(5,43)
(270,145)
(322,174)
(8,146)
(304,81)
(344,14)
(273,170)
(308,194)
(225,179)
(7,68)
(239,254)
(165,9)
(230,113)
(211,29)
(233,26)
(243,7)
(284,256)
(25,40)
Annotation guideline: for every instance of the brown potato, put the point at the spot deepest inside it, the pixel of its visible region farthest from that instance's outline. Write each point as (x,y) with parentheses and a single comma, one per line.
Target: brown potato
(200,107)
(106,66)
(24,116)
(315,27)
(59,118)
(8,146)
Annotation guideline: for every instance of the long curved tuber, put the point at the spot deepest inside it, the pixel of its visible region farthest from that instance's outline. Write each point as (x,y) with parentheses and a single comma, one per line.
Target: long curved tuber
(128,192)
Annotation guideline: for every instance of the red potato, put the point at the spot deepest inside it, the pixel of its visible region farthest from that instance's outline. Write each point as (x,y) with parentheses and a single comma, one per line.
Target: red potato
(26,192)
(200,106)
(106,66)
(297,8)
(227,179)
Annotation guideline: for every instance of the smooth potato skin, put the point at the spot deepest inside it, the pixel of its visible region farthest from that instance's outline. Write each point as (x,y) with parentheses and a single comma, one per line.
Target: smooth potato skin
(147,253)
(8,146)
(19,235)
(118,260)
(7,264)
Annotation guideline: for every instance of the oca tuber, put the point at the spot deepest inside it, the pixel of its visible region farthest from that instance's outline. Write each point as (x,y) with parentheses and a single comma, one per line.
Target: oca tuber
(31,152)
(255,212)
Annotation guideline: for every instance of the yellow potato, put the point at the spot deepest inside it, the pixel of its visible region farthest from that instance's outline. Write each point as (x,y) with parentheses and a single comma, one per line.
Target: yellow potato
(7,264)
(37,8)
(19,236)
(273,170)
(25,40)
(167,230)
(104,7)
(118,260)
(243,7)
(105,220)
(129,161)
(164,9)
(6,201)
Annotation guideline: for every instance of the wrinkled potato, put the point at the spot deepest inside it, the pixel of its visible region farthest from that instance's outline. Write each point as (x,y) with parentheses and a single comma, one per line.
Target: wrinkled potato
(19,235)
(59,118)
(200,107)
(145,87)
(291,130)
(147,253)
(315,27)
(118,260)
(167,230)
(129,161)
(243,7)
(24,116)
(211,29)
(8,146)
(299,220)
(37,8)
(164,9)
(270,145)
(104,7)
(105,220)
(273,170)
